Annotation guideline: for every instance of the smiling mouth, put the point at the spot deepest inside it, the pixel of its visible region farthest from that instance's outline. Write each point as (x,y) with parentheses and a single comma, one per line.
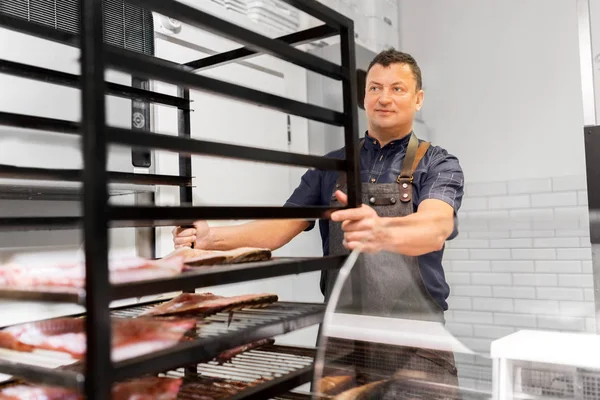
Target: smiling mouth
(385,111)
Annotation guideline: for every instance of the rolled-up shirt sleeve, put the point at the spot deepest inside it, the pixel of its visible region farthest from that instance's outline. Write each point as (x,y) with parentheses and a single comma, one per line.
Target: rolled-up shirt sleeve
(445,182)
(308,192)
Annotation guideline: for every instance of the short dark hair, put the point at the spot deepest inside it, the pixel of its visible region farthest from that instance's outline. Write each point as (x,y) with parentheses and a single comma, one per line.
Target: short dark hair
(393,56)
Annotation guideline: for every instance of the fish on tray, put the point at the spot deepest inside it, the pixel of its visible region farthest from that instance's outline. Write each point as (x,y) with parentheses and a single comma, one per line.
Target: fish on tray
(199,257)
(152,388)
(130,337)
(227,355)
(65,276)
(209,304)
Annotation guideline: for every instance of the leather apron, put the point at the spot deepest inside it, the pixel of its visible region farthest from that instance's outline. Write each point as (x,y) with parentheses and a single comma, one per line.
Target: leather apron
(388,284)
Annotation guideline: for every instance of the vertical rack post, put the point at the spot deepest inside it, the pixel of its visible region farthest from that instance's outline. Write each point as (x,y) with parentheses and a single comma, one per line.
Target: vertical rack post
(99,369)
(350,94)
(184,129)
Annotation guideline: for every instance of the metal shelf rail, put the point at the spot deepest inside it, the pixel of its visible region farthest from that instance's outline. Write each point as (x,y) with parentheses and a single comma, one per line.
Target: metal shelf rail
(98,215)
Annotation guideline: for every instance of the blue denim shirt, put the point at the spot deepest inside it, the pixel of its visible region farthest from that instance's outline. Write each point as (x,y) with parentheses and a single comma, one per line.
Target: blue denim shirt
(438,176)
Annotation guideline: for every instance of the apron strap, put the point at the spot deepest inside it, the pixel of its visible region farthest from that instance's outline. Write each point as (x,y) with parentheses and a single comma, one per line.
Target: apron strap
(414,154)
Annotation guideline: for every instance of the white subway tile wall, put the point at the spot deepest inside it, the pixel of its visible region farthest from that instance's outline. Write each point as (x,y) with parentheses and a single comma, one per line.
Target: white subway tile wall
(522,260)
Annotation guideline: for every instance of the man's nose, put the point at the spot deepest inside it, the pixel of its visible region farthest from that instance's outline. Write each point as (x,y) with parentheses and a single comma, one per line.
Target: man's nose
(384,98)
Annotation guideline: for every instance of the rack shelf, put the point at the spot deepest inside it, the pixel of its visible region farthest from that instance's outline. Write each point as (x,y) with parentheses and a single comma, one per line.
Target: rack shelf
(190,280)
(75,175)
(215,335)
(257,374)
(74,81)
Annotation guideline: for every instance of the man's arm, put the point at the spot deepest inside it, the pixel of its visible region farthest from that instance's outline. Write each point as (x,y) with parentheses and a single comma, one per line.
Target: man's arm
(270,234)
(413,235)
(419,233)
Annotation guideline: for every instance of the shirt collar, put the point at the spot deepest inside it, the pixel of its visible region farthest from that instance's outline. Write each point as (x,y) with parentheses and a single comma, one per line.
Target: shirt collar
(373,144)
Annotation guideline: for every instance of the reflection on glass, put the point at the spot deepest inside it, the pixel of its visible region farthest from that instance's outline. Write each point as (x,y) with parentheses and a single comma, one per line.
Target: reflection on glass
(386,342)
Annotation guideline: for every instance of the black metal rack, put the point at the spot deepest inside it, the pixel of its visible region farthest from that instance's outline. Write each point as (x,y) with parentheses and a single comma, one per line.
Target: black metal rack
(98,215)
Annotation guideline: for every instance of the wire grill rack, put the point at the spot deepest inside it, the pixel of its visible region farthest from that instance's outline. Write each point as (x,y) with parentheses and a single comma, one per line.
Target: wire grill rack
(257,373)
(212,335)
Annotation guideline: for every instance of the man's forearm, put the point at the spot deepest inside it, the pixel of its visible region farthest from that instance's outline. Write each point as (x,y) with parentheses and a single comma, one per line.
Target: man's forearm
(271,234)
(415,234)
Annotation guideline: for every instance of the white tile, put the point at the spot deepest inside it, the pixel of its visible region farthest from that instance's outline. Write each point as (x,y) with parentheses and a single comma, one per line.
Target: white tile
(570,213)
(534,279)
(470,266)
(510,243)
(531,234)
(533,254)
(561,323)
(582,198)
(558,293)
(508,202)
(512,266)
(562,224)
(577,308)
(485,189)
(476,317)
(470,290)
(586,266)
(557,266)
(530,186)
(459,303)
(532,214)
(514,319)
(489,278)
(458,278)
(493,304)
(458,329)
(489,235)
(544,307)
(554,199)
(474,203)
(556,242)
(468,243)
(514,292)
(576,280)
(568,183)
(456,254)
(496,215)
(492,331)
(478,345)
(585,242)
(588,295)
(489,254)
(574,254)
(590,325)
(572,232)
(512,225)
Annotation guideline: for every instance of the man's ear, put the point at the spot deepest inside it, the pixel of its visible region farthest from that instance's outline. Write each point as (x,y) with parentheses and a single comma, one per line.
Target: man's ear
(420,98)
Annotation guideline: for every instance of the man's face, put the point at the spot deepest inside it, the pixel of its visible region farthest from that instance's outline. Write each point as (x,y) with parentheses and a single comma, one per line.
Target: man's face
(391,98)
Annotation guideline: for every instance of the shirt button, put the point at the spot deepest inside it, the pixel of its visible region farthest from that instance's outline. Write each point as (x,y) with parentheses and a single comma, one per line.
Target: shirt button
(372,180)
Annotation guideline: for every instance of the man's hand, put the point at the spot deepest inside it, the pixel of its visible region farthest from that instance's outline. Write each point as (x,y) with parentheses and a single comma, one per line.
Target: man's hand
(199,235)
(362,226)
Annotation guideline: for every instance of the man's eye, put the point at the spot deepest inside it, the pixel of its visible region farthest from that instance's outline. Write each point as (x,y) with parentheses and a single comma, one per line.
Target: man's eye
(398,89)
(373,88)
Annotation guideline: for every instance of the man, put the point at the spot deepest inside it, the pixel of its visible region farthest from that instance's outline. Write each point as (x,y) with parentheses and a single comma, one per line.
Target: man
(411,194)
